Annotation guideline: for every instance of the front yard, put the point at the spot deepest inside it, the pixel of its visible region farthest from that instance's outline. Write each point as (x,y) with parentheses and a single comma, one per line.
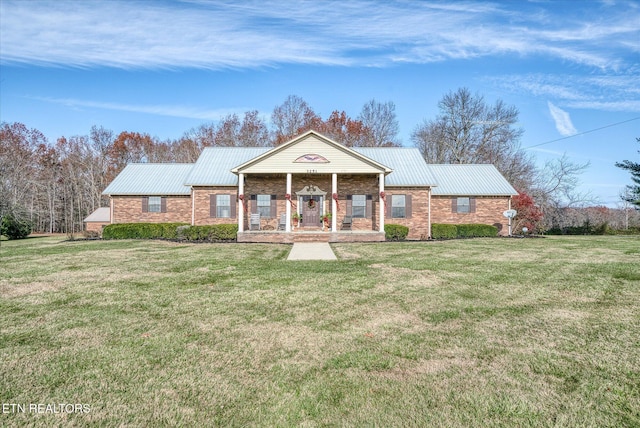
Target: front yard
(483,332)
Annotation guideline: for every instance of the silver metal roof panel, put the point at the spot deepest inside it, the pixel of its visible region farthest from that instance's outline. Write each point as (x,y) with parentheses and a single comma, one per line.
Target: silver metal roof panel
(407,163)
(215,163)
(151,179)
(470,180)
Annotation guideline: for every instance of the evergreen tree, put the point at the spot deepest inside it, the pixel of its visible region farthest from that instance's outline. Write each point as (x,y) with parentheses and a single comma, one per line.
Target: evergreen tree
(633,194)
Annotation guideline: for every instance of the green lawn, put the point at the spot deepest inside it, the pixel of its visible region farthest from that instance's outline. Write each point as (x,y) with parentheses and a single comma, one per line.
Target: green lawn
(485,332)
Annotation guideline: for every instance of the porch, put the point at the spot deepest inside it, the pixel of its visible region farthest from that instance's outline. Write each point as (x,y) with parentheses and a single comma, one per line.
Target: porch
(283,237)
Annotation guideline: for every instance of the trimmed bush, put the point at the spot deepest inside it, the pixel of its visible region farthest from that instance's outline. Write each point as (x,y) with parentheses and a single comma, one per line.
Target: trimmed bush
(395,232)
(476,230)
(13,228)
(211,233)
(452,231)
(141,231)
(444,231)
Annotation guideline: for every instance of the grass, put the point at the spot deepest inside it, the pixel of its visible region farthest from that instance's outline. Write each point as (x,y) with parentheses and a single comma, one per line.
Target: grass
(483,332)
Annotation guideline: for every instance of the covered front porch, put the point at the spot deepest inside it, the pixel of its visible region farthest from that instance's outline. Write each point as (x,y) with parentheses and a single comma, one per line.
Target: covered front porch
(309,189)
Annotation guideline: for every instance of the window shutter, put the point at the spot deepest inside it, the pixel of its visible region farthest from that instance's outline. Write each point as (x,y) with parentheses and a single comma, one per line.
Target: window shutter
(232,199)
(349,205)
(407,206)
(163,205)
(212,205)
(254,204)
(472,205)
(454,205)
(389,201)
(274,206)
(369,207)
(145,204)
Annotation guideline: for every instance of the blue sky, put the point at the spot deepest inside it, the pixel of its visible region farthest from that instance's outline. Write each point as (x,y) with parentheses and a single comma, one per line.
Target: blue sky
(163,67)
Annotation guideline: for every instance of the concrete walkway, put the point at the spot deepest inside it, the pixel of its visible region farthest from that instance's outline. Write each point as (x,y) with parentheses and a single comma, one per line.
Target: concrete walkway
(311,251)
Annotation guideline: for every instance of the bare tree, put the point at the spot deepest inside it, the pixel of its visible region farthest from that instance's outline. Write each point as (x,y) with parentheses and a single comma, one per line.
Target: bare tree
(468,130)
(18,184)
(381,123)
(228,131)
(556,191)
(253,131)
(292,117)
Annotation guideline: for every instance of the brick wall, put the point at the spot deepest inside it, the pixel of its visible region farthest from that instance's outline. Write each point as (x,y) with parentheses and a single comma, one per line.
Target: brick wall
(202,197)
(418,224)
(488,211)
(93,226)
(128,209)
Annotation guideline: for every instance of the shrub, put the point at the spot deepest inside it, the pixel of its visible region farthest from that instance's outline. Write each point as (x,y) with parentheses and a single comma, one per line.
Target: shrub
(141,231)
(444,231)
(395,232)
(476,230)
(211,233)
(451,231)
(13,228)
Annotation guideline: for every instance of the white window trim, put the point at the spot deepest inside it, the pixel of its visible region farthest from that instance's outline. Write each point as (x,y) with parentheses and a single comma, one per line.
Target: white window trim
(157,208)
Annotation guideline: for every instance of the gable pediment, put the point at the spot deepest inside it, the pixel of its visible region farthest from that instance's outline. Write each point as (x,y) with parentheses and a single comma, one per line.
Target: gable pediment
(311,153)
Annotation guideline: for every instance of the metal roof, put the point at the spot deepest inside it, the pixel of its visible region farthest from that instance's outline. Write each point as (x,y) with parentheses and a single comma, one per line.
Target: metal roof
(101,215)
(470,180)
(151,179)
(215,163)
(408,165)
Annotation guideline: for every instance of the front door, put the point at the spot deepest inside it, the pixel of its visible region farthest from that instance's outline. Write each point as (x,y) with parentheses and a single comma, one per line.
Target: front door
(311,211)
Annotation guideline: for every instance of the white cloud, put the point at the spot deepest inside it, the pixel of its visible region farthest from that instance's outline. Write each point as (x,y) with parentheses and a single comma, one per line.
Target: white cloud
(162,110)
(562,120)
(219,34)
(599,92)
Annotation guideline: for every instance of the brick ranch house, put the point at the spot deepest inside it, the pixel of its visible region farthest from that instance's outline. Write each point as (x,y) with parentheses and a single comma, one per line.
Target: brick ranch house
(260,189)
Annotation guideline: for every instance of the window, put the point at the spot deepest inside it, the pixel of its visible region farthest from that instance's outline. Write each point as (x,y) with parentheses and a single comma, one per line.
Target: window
(398,206)
(155,204)
(463,205)
(358,206)
(223,206)
(264,205)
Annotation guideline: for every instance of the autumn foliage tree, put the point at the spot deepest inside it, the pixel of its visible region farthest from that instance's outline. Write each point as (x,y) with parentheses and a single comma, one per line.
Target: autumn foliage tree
(376,125)
(529,214)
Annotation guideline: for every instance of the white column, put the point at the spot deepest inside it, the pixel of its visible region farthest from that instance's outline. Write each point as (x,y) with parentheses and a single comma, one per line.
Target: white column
(288,204)
(241,204)
(111,208)
(334,203)
(381,186)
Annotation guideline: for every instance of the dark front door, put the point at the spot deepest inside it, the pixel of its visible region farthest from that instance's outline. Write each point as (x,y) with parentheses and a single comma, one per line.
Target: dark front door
(311,211)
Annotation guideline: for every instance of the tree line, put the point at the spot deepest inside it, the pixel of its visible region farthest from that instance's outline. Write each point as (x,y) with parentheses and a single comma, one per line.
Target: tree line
(55,185)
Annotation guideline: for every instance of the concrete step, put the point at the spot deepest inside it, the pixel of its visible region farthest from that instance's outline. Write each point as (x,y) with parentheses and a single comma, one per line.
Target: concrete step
(311,237)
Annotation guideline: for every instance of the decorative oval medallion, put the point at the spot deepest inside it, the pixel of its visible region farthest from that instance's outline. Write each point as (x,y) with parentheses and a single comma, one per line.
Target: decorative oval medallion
(311,158)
